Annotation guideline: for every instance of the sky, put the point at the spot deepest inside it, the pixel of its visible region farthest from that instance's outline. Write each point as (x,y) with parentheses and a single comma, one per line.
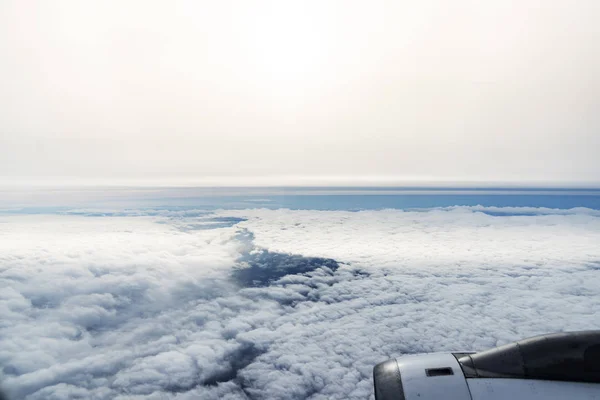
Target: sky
(307,92)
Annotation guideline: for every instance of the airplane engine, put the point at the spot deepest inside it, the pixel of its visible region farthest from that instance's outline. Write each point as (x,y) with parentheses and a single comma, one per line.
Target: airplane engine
(554,366)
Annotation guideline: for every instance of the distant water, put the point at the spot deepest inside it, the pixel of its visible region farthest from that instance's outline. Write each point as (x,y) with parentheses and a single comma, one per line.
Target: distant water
(312,198)
(416,201)
(374,201)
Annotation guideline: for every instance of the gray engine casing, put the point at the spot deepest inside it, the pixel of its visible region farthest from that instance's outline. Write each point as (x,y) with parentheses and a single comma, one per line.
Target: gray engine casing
(556,366)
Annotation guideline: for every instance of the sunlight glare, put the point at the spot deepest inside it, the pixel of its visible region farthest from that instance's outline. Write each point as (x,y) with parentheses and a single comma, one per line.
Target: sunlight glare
(288,49)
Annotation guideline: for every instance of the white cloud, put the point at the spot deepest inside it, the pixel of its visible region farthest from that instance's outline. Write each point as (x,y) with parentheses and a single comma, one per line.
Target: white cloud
(149,307)
(432,240)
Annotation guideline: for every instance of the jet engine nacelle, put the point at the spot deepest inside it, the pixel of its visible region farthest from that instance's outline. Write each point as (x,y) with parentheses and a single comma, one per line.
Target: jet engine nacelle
(556,366)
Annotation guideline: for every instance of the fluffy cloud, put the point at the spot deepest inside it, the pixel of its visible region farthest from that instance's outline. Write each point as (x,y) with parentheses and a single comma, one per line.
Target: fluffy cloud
(254,304)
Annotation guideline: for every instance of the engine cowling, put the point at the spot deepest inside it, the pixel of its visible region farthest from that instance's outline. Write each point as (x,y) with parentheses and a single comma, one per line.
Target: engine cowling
(555,366)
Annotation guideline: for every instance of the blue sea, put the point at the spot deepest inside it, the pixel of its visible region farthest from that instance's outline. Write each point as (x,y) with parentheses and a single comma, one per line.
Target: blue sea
(296,198)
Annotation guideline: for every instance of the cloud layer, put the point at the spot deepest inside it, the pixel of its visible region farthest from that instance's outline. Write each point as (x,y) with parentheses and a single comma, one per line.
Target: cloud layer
(257,304)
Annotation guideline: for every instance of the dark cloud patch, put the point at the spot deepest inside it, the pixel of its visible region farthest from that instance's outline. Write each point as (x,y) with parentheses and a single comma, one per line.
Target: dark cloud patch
(235,362)
(262,267)
(360,274)
(594,265)
(43,302)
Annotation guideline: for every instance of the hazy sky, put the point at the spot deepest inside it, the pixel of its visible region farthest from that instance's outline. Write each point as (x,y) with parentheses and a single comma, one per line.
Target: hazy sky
(299,91)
